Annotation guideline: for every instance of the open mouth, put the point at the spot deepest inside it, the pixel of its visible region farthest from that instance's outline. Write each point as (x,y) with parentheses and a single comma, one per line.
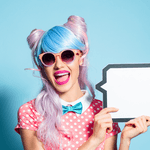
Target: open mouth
(61,77)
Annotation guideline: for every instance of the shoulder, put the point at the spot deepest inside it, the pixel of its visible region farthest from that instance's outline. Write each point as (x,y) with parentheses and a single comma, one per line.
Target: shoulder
(96,105)
(28,117)
(28,107)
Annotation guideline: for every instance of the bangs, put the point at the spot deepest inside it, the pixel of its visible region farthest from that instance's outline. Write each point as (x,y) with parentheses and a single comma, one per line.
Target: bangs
(60,38)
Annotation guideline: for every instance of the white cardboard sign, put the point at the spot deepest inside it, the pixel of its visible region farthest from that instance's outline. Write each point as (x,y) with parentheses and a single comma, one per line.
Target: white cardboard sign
(126,87)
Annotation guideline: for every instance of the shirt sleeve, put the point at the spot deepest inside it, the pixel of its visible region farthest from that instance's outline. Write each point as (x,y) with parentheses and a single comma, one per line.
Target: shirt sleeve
(28,117)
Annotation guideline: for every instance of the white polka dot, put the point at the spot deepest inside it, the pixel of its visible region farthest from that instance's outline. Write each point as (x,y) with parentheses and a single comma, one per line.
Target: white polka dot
(76,136)
(21,107)
(31,125)
(77,142)
(91,128)
(88,109)
(86,119)
(84,135)
(90,116)
(82,117)
(26,105)
(88,132)
(65,144)
(74,117)
(66,117)
(41,119)
(87,125)
(19,113)
(23,117)
(27,115)
(92,113)
(81,139)
(31,120)
(70,120)
(91,122)
(84,129)
(27,121)
(73,146)
(29,110)
(83,123)
(23,110)
(27,127)
(91,107)
(95,111)
(67,123)
(63,120)
(98,102)
(71,126)
(94,105)
(69,148)
(23,124)
(20,120)
(78,120)
(79,126)
(35,119)
(75,123)
(111,134)
(70,114)
(85,113)
(35,124)
(97,108)
(80,132)
(31,115)
(76,130)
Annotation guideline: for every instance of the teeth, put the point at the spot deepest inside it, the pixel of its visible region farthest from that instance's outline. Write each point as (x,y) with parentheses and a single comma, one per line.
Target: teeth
(61,74)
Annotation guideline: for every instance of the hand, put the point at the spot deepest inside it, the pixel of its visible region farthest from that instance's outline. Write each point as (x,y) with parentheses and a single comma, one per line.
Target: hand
(102,124)
(135,127)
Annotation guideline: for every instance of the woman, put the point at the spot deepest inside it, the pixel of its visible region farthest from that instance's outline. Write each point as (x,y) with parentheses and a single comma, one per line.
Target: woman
(64,115)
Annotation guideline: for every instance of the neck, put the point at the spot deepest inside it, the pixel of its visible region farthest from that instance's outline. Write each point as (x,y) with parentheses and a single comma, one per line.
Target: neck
(73,94)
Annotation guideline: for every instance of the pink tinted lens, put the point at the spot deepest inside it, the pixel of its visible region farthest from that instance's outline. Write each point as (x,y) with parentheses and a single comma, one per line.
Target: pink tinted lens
(67,56)
(48,59)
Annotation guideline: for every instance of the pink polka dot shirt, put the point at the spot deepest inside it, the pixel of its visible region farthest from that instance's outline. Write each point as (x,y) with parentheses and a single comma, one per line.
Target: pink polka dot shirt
(80,125)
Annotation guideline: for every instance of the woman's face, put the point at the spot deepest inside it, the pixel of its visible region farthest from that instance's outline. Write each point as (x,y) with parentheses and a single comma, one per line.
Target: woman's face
(62,76)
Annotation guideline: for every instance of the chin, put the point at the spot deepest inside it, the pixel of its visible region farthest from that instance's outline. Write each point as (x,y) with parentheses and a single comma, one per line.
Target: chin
(62,89)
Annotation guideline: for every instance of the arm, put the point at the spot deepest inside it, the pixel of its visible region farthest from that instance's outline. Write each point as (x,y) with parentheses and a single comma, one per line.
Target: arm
(132,129)
(111,143)
(29,140)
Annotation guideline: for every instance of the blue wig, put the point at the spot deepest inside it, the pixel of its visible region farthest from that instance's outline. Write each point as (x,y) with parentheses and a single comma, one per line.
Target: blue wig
(57,39)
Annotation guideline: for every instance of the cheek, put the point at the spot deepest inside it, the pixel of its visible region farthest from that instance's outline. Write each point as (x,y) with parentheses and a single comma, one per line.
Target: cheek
(48,74)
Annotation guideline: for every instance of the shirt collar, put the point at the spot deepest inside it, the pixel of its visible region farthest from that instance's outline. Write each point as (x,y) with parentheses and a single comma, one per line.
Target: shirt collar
(86,100)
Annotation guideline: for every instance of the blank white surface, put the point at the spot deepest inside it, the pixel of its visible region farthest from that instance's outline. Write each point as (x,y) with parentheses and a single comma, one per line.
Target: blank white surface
(129,90)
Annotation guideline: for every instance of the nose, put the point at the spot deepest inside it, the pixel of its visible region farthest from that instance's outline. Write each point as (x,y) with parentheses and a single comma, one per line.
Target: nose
(58,63)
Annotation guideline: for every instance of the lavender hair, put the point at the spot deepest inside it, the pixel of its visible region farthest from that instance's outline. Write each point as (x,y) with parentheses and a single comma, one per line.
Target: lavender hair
(47,102)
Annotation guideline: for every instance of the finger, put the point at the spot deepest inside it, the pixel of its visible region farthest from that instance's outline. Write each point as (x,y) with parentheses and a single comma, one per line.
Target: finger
(147,120)
(102,116)
(108,110)
(140,121)
(109,127)
(134,123)
(143,118)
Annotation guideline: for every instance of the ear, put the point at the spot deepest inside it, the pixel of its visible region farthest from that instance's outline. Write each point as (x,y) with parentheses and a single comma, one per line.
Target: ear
(81,61)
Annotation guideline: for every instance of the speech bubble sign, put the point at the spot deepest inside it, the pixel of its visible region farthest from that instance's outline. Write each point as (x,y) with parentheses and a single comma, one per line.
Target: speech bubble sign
(127,87)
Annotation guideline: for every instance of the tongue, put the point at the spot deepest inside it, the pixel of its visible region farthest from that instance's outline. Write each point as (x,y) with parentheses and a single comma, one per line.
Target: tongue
(62,78)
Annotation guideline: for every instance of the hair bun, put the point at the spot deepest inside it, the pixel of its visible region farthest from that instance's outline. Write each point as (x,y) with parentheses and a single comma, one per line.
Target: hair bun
(34,38)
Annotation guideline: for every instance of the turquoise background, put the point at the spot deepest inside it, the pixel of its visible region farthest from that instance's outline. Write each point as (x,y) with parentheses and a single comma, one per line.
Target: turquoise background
(118,31)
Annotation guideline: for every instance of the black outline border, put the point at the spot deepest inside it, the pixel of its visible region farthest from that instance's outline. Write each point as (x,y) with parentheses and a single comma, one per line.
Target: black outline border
(104,80)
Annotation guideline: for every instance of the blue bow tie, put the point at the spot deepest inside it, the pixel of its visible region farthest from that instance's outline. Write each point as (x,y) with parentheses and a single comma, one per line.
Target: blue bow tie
(77,108)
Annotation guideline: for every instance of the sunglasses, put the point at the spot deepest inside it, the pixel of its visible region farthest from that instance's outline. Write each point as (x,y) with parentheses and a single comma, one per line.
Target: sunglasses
(67,56)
